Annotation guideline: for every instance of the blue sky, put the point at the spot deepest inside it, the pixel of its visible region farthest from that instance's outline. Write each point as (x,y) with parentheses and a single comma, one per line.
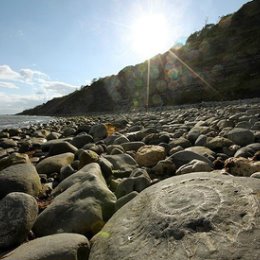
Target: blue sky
(49,48)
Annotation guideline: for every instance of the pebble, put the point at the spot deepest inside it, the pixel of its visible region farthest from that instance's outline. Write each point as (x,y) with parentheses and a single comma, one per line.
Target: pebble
(92,166)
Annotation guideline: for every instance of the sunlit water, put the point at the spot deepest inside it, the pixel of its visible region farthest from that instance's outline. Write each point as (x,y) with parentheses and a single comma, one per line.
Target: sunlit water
(14,121)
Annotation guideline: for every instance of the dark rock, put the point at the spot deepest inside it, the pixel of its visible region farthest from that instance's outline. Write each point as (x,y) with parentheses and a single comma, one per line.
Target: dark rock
(18,211)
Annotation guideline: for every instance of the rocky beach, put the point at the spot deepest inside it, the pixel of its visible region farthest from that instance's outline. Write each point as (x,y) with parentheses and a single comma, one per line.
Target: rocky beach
(181,182)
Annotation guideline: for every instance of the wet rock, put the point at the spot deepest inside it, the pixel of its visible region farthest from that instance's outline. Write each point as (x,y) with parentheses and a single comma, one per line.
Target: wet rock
(149,155)
(18,212)
(82,201)
(21,177)
(54,163)
(59,247)
(167,220)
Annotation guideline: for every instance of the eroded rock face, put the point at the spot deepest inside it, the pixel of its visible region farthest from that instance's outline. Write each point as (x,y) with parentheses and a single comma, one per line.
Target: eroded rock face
(199,215)
(59,247)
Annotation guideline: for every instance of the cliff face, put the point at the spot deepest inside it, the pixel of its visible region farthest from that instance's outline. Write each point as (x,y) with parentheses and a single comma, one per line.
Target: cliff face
(220,62)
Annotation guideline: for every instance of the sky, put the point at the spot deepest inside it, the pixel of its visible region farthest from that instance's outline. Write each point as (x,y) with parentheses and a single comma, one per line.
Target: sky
(49,48)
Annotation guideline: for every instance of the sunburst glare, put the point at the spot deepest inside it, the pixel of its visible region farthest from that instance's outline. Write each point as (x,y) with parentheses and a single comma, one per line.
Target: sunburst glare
(149,34)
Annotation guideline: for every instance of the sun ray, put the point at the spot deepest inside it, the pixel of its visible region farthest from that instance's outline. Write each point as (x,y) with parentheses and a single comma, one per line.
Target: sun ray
(194,72)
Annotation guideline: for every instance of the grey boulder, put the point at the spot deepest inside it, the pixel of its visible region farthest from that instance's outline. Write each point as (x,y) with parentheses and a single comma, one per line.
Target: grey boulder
(54,163)
(241,136)
(54,247)
(82,204)
(18,211)
(182,157)
(197,215)
(194,166)
(21,177)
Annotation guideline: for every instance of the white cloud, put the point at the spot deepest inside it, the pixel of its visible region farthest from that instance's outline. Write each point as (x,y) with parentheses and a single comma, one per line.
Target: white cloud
(7,73)
(58,87)
(33,88)
(10,85)
(13,103)
(29,74)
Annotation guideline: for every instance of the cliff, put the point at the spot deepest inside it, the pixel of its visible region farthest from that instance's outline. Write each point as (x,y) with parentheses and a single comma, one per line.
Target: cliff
(220,62)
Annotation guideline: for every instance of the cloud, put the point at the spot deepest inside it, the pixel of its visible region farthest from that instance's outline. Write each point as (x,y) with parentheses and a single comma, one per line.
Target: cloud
(29,88)
(29,74)
(7,73)
(58,87)
(13,103)
(10,85)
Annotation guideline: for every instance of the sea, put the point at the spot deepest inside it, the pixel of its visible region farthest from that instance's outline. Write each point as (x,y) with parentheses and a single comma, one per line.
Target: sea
(15,121)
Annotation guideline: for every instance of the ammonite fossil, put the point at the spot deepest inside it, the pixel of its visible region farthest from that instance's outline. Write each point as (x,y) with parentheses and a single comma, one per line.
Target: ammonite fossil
(192,216)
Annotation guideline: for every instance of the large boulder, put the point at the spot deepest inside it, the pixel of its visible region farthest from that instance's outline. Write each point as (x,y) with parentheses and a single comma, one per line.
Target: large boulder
(197,215)
(55,247)
(21,177)
(82,204)
(54,163)
(18,212)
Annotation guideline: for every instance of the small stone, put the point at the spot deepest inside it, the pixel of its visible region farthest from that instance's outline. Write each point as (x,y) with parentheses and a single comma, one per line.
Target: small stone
(149,155)
(54,163)
(241,136)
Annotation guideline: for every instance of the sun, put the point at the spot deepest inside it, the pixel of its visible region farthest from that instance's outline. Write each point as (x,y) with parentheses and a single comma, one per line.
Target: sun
(149,34)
